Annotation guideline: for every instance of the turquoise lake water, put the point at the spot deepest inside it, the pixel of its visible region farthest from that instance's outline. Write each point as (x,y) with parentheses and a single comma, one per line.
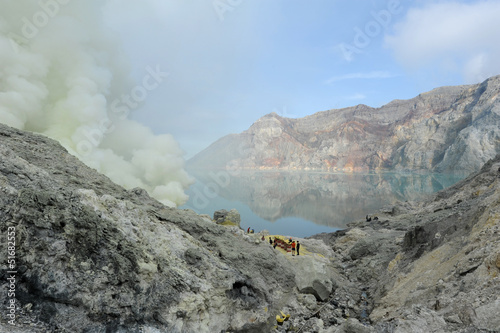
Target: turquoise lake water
(301,204)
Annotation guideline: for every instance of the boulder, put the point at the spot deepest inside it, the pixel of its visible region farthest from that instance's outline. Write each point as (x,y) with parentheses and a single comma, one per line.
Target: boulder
(313,276)
(486,316)
(232,217)
(363,248)
(352,325)
(220,215)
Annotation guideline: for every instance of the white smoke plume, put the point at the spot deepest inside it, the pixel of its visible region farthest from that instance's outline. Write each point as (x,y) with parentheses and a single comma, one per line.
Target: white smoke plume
(62,74)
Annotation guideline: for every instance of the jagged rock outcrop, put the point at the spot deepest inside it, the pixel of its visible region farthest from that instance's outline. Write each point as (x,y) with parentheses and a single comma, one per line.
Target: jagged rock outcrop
(447,129)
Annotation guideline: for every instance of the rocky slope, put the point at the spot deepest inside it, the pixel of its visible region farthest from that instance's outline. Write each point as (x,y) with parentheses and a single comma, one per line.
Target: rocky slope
(430,266)
(90,256)
(447,129)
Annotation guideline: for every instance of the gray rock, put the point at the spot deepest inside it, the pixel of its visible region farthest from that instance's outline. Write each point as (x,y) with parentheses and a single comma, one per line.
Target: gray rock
(352,325)
(430,268)
(363,248)
(486,316)
(220,216)
(224,217)
(234,216)
(313,276)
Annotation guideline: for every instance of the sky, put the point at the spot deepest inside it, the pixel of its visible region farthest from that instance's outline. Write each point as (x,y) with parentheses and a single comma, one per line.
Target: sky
(229,62)
(134,88)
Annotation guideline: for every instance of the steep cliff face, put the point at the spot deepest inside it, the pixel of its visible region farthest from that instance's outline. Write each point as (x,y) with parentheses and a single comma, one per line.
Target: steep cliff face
(447,129)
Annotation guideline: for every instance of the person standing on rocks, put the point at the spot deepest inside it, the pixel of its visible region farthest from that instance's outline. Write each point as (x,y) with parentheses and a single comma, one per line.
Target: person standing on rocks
(298,248)
(293,248)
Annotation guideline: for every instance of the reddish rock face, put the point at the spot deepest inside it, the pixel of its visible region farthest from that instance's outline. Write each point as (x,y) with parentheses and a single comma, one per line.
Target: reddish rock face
(447,129)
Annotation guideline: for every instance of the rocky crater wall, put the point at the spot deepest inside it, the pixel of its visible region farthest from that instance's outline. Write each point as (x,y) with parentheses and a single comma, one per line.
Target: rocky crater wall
(449,129)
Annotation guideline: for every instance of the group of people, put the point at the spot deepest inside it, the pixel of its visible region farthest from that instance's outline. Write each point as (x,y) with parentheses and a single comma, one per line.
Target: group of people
(295,245)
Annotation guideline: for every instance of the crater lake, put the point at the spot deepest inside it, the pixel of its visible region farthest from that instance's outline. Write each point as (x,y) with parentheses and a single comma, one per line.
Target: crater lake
(301,204)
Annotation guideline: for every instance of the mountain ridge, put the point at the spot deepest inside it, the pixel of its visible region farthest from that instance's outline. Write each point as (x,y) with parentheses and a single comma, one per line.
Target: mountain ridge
(447,129)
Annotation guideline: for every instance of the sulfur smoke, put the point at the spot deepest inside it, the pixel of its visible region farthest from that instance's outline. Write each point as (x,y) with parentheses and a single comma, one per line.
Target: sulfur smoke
(62,74)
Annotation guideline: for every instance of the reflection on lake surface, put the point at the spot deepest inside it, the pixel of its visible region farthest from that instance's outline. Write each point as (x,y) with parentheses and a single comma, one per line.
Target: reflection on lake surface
(305,203)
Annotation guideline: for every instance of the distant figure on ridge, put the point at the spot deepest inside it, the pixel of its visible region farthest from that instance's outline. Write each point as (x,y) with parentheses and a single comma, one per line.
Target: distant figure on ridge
(298,248)
(368,219)
(248,230)
(293,248)
(270,241)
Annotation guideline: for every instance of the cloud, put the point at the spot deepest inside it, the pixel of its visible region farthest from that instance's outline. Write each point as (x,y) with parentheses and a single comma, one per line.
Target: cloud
(64,75)
(361,75)
(450,35)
